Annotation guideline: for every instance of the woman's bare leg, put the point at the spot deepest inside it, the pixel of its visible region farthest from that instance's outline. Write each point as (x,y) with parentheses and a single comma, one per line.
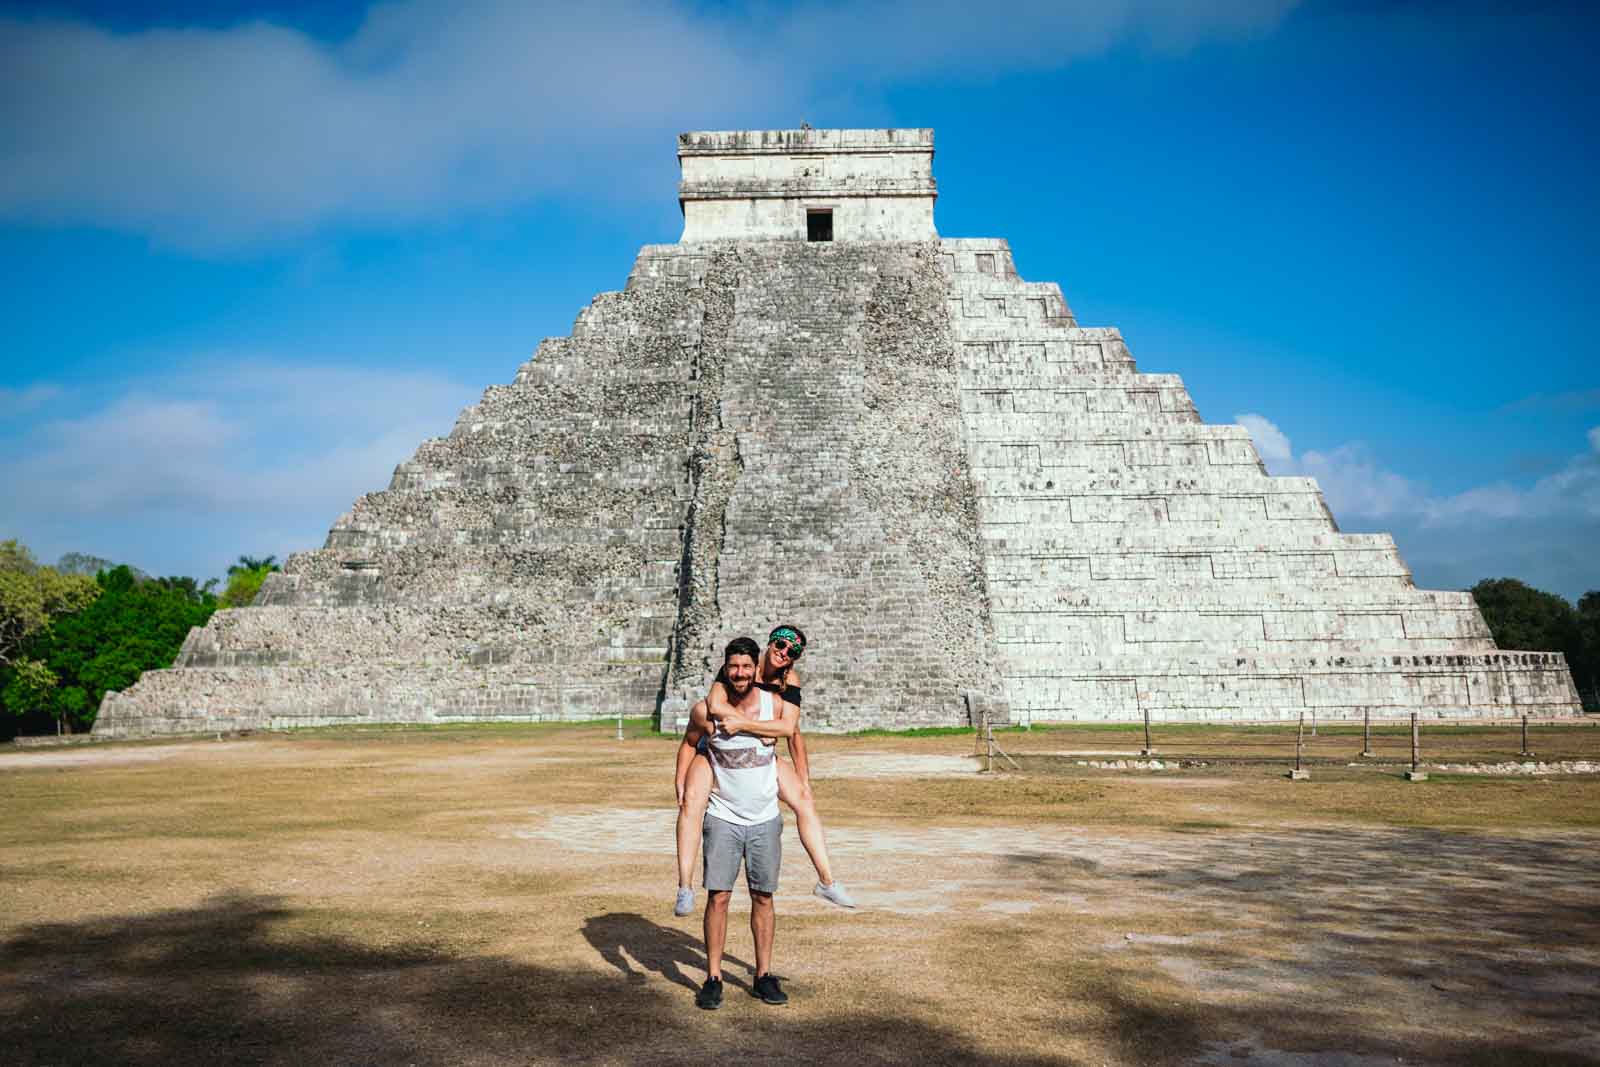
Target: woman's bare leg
(795,793)
(691,817)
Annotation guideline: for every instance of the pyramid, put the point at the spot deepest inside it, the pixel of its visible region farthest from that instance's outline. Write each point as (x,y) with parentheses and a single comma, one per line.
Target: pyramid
(814,409)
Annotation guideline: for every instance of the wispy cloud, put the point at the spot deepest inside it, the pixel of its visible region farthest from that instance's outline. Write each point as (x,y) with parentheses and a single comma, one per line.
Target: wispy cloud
(25,401)
(233,454)
(219,136)
(1570,400)
(1544,531)
(1356,483)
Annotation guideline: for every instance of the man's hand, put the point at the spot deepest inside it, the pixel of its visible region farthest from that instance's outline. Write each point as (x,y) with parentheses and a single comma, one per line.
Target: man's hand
(734,724)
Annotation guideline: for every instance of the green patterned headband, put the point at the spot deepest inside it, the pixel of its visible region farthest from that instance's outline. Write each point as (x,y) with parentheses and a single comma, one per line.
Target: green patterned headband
(788,634)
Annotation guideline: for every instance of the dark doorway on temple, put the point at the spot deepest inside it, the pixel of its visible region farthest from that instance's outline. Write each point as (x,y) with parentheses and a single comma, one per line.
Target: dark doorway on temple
(819,225)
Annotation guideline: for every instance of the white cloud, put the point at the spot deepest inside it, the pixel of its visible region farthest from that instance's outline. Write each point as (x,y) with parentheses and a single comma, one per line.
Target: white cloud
(1543,533)
(236,454)
(214,136)
(1355,483)
(1270,441)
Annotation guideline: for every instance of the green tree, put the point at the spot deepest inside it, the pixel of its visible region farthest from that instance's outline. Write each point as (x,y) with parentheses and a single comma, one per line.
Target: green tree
(243,586)
(245,578)
(1589,635)
(132,627)
(83,563)
(1522,617)
(31,596)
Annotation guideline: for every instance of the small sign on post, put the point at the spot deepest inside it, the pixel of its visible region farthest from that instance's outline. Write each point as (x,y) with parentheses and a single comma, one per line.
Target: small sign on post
(1415,774)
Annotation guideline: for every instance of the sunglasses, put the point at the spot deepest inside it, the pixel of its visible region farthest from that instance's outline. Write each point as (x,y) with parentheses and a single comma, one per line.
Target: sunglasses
(783,644)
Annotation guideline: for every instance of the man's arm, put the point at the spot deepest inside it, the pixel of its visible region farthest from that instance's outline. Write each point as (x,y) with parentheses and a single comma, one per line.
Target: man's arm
(717,706)
(782,726)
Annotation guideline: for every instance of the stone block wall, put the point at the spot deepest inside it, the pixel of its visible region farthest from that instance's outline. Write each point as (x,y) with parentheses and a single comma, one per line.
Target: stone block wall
(759,185)
(523,567)
(843,500)
(1140,560)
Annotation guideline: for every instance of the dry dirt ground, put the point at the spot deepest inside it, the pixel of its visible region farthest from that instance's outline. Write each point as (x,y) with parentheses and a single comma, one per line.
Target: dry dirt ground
(502,895)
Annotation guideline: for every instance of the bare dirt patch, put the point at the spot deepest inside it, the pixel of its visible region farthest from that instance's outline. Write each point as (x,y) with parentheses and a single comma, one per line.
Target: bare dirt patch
(503,896)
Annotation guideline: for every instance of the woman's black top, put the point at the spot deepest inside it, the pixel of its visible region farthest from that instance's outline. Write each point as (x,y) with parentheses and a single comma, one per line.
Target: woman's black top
(790,693)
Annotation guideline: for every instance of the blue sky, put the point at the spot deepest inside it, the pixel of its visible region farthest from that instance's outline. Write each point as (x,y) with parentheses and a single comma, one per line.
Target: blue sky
(255,253)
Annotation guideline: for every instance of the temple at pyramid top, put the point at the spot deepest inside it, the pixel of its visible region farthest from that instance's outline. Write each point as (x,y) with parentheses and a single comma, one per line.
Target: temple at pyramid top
(817,185)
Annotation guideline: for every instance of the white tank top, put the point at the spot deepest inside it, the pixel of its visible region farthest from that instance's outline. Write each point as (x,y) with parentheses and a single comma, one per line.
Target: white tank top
(746,770)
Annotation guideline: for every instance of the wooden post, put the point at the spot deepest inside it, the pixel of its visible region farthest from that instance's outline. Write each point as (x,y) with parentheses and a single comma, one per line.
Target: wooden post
(1299,774)
(988,732)
(1414,775)
(1313,723)
(619,726)
(1525,750)
(1149,749)
(1366,732)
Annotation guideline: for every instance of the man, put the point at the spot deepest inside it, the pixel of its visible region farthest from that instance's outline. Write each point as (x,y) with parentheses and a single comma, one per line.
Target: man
(743,825)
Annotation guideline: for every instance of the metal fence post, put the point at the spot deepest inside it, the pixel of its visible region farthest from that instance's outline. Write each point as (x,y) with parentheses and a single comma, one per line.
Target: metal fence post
(1366,732)
(1299,774)
(1526,751)
(1415,775)
(1149,749)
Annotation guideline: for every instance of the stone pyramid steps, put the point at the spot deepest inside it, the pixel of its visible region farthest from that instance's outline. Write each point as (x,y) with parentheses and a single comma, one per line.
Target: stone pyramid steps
(1123,535)
(463,634)
(511,569)
(1206,596)
(280,697)
(1283,687)
(1233,478)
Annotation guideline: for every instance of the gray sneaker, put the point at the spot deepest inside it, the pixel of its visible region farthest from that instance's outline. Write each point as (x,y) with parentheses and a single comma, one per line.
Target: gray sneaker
(835,894)
(685,902)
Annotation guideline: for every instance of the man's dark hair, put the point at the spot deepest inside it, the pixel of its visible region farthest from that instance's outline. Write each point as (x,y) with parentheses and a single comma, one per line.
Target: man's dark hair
(741,646)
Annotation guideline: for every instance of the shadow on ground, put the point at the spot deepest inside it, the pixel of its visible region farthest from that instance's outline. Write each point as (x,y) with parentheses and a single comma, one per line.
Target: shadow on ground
(1413,945)
(227,983)
(673,954)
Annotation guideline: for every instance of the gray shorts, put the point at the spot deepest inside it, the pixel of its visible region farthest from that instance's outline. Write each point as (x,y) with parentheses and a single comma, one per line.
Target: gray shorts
(726,845)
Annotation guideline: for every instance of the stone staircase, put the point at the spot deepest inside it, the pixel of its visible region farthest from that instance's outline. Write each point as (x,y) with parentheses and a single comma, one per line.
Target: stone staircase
(1140,560)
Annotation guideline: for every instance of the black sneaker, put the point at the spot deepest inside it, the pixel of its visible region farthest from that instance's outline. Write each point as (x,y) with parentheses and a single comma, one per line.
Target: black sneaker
(710,995)
(767,989)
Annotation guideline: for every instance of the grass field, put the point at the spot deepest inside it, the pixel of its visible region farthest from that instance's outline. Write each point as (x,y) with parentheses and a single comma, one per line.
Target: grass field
(500,894)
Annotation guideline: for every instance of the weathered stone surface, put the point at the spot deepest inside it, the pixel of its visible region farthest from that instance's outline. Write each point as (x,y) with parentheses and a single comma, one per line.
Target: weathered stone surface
(972,504)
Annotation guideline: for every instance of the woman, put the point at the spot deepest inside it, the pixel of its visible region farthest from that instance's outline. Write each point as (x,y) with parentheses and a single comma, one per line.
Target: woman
(776,672)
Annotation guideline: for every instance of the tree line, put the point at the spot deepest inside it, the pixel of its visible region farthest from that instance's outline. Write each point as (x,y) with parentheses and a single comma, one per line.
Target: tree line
(73,632)
(1520,616)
